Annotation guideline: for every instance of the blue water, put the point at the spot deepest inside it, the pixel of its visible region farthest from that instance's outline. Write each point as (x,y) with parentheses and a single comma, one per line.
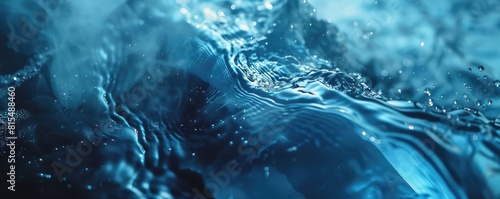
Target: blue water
(255,99)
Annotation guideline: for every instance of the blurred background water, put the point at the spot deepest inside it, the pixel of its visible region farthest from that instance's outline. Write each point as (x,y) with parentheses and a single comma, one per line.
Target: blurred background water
(254,99)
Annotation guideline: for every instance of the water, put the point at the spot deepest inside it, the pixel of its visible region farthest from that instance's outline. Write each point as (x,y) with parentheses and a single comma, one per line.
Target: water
(256,99)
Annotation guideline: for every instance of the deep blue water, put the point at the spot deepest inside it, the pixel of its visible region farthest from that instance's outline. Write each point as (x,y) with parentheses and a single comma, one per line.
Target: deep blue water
(253,99)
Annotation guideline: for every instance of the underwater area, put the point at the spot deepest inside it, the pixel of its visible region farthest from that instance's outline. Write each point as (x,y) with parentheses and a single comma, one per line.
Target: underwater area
(242,99)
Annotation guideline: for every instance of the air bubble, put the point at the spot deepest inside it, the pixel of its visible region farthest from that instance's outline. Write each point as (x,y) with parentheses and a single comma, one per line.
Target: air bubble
(427,91)
(480,68)
(266,171)
(497,83)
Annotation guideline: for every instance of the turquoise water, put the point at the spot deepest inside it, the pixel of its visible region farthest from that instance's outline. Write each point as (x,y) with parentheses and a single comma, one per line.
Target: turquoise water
(256,99)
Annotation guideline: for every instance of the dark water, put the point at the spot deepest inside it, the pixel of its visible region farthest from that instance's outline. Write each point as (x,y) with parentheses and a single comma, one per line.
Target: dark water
(254,99)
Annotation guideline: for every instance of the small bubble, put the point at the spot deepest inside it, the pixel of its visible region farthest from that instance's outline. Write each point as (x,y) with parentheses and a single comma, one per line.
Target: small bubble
(490,102)
(267,173)
(470,69)
(268,5)
(497,83)
(427,91)
(475,137)
(478,103)
(480,68)
(294,148)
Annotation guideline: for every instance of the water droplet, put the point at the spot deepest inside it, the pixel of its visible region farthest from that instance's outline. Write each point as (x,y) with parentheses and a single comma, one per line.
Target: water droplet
(497,83)
(294,148)
(480,68)
(268,5)
(266,171)
(478,103)
(427,91)
(384,73)
(490,102)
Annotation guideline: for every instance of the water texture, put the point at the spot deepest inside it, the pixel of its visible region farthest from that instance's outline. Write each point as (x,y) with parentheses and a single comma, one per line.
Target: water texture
(254,99)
